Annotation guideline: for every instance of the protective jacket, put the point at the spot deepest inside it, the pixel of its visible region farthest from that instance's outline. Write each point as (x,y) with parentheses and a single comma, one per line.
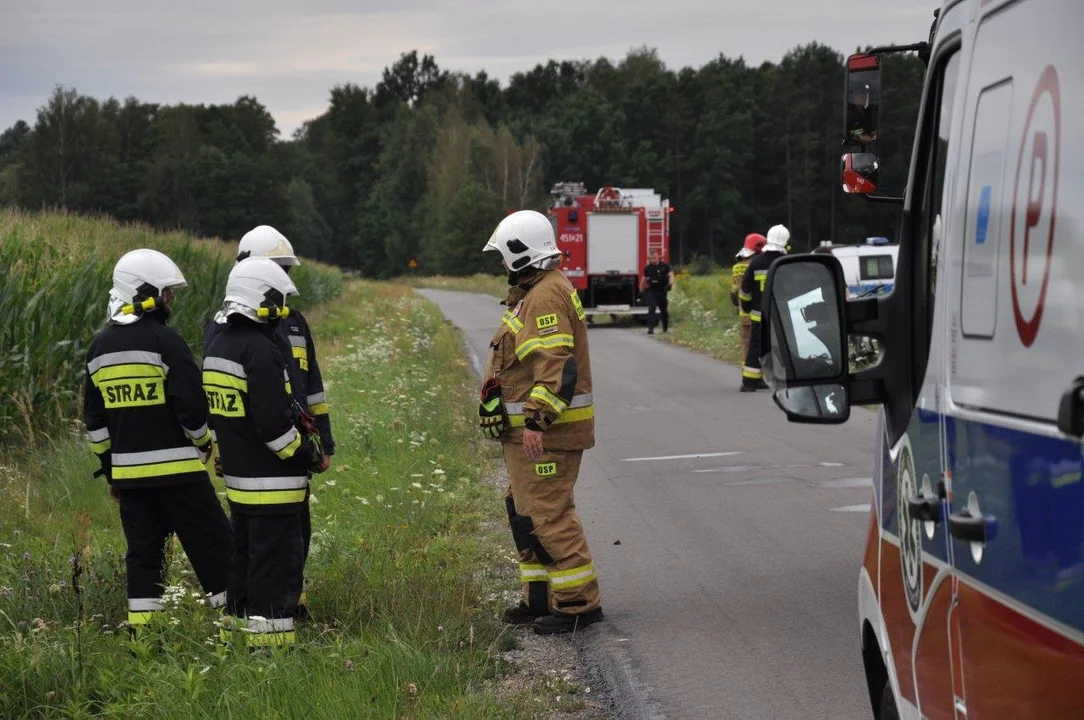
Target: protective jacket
(737,272)
(143,406)
(540,357)
(294,340)
(752,285)
(265,459)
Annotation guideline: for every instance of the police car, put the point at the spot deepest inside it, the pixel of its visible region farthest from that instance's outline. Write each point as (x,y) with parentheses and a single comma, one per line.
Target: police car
(971,589)
(867,269)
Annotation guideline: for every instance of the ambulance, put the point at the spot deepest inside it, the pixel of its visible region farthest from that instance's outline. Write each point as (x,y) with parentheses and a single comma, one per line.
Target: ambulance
(971,588)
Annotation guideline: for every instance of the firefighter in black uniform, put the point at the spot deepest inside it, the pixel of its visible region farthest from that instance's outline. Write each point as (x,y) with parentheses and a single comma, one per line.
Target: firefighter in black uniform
(294,340)
(146,416)
(752,300)
(656,282)
(266,449)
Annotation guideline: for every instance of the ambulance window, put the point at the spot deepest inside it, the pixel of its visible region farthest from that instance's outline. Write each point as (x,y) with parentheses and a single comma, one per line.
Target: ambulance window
(929,222)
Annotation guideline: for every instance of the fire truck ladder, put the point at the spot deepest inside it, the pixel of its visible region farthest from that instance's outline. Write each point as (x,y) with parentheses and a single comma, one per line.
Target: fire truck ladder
(656,231)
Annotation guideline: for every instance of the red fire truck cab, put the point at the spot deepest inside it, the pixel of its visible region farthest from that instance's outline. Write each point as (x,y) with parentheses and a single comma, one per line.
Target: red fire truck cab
(606,238)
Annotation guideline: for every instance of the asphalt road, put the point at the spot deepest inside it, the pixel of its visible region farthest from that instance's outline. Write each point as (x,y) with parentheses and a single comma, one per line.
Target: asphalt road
(729,580)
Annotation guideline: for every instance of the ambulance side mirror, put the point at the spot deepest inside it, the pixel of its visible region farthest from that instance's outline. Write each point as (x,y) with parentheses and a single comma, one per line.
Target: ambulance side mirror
(804,339)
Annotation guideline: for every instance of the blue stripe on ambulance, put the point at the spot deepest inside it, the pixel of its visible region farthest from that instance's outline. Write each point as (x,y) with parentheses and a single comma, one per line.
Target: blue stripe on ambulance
(1031,484)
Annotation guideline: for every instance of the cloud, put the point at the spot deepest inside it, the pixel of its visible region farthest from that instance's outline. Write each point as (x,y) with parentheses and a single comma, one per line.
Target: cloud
(289,53)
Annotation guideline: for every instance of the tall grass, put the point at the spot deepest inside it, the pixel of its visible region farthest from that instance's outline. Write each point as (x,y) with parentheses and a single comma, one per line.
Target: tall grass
(702,317)
(495,285)
(55,275)
(403,579)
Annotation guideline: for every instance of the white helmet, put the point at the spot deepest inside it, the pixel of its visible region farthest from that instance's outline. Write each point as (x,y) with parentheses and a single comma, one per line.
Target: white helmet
(139,278)
(525,239)
(266,241)
(778,236)
(257,288)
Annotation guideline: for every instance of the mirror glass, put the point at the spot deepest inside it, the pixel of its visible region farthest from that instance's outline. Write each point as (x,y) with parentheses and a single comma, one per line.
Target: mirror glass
(861,172)
(863,99)
(807,338)
(814,401)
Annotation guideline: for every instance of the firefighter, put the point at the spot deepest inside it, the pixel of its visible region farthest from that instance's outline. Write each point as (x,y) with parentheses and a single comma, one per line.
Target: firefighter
(752,292)
(657,281)
(294,340)
(146,417)
(754,243)
(266,458)
(536,399)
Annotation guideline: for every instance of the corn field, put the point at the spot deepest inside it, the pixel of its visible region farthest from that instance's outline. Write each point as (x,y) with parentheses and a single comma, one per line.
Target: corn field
(55,275)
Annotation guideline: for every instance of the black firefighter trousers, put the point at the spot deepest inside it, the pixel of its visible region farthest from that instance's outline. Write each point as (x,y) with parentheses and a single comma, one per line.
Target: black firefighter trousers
(149,516)
(266,577)
(658,299)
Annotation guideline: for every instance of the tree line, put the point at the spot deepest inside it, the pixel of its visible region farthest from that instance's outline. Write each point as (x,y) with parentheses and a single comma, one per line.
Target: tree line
(423,165)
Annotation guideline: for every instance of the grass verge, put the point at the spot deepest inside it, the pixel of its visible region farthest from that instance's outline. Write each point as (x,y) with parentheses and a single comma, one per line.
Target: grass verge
(404,580)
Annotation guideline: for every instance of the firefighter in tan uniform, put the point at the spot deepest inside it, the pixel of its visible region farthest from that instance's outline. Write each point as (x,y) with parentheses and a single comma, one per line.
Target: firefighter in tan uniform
(536,399)
(754,242)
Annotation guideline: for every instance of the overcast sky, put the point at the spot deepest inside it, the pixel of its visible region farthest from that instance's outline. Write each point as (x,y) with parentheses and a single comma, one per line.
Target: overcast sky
(289,53)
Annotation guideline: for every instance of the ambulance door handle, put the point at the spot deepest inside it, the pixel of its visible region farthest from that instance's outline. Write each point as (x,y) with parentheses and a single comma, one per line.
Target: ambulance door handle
(925,508)
(967,527)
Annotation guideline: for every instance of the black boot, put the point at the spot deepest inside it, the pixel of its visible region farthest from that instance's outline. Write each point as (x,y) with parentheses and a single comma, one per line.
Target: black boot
(559,622)
(524,614)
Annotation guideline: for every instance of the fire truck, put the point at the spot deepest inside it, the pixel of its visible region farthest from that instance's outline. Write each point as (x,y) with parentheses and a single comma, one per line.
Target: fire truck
(606,238)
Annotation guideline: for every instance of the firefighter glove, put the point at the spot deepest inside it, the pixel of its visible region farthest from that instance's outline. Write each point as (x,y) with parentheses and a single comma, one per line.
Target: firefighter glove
(491,410)
(106,468)
(205,452)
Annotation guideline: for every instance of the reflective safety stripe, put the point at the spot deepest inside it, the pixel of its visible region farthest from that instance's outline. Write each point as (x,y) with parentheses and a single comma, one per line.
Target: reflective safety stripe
(225,380)
(144,604)
(760,273)
(271,497)
(292,482)
(754,315)
(532,572)
(527,347)
(317,404)
(101,447)
(214,436)
(99,435)
(126,372)
(139,618)
(566,579)
(223,365)
(298,341)
(155,463)
(286,444)
(745,296)
(539,392)
(568,416)
(512,322)
(752,373)
(127,357)
(578,401)
(217,600)
(264,625)
(199,437)
(267,639)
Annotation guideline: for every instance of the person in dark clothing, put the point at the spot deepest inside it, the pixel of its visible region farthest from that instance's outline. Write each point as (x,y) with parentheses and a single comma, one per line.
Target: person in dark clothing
(752,301)
(267,454)
(146,417)
(293,339)
(861,117)
(657,281)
